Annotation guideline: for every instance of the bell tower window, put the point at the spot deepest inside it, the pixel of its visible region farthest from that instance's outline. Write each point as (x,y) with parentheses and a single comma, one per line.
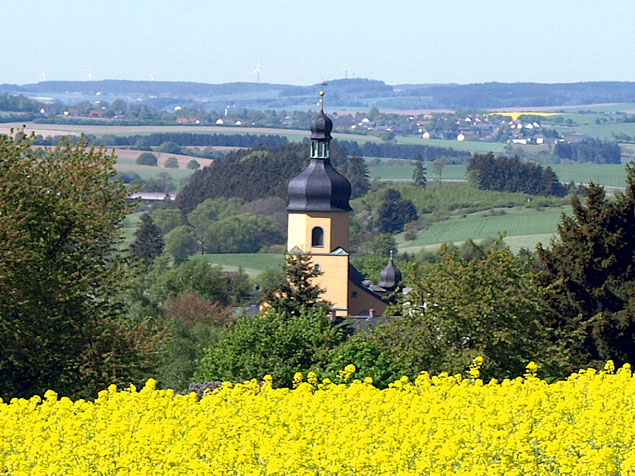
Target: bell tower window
(317,237)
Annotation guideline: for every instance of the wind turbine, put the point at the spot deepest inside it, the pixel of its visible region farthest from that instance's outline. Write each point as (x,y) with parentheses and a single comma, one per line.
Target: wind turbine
(257,71)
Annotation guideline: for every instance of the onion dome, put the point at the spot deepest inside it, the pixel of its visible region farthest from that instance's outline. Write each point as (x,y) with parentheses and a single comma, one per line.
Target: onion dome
(390,277)
(321,127)
(319,188)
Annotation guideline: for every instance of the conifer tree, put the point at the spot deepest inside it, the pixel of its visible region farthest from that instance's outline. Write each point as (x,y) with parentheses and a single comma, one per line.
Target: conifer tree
(419,173)
(148,242)
(592,269)
(356,171)
(298,291)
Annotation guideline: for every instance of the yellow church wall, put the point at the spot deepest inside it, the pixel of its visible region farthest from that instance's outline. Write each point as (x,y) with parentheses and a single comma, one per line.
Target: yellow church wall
(300,226)
(361,300)
(334,280)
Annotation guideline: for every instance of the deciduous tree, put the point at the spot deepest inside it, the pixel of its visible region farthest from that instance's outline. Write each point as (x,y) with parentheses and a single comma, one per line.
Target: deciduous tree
(61,272)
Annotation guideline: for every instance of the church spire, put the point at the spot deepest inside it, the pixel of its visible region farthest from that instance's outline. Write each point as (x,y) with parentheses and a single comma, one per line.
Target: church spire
(321,127)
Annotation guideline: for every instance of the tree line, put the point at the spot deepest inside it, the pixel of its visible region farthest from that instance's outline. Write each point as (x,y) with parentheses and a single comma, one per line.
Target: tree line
(404,151)
(509,174)
(589,150)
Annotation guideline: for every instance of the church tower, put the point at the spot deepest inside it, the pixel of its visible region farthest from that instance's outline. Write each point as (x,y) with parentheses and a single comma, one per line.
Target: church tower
(318,215)
(318,221)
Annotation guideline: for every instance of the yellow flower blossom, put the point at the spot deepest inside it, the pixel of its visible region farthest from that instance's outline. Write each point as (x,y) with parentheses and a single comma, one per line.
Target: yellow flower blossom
(431,425)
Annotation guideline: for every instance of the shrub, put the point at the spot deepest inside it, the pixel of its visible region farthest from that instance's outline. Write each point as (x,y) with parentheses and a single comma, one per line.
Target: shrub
(147,158)
(172,163)
(271,343)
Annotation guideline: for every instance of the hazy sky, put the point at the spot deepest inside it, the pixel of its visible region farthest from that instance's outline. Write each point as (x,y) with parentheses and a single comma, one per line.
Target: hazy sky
(301,42)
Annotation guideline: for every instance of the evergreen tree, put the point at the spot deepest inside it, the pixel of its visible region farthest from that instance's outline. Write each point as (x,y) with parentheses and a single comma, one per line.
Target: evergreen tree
(592,270)
(148,242)
(419,173)
(297,292)
(356,171)
(395,211)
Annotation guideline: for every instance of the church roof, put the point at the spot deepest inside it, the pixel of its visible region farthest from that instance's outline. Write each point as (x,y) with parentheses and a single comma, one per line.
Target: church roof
(319,188)
(321,127)
(390,276)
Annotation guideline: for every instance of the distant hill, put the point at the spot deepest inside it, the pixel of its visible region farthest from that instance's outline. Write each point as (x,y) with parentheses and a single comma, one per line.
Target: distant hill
(342,93)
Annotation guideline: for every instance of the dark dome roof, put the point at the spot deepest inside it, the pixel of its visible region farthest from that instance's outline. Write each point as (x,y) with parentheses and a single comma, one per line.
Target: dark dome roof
(321,127)
(390,276)
(319,188)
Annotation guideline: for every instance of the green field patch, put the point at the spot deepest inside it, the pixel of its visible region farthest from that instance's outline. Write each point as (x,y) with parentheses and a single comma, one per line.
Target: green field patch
(613,175)
(404,172)
(472,146)
(518,221)
(252,264)
(600,131)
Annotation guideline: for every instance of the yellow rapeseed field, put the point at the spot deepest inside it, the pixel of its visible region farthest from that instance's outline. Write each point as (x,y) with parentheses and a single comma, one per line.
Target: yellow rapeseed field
(435,425)
(516,114)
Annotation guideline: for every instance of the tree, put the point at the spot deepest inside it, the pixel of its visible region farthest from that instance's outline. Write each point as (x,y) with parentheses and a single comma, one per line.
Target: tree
(395,211)
(62,275)
(592,269)
(272,344)
(439,165)
(181,243)
(193,164)
(172,163)
(492,307)
(297,292)
(419,173)
(167,219)
(356,171)
(170,148)
(243,234)
(147,158)
(148,242)
(142,144)
(194,301)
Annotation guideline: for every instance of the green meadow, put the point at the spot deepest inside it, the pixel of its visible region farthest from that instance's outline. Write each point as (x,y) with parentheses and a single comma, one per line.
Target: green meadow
(612,175)
(524,228)
(251,264)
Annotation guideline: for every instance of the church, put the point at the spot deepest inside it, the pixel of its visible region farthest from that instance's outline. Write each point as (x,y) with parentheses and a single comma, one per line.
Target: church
(318,221)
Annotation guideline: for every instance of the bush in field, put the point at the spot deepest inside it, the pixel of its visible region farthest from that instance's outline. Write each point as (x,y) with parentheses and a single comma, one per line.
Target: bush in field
(172,163)
(193,164)
(147,158)
(169,147)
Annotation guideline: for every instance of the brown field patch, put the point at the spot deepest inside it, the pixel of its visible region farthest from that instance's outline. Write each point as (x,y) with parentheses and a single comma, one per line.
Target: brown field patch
(132,154)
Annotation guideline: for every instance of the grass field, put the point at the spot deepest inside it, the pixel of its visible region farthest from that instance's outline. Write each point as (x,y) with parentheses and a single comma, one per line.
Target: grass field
(600,131)
(472,146)
(524,228)
(611,175)
(252,263)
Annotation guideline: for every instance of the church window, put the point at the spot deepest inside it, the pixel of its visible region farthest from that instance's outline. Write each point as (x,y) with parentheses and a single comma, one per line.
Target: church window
(317,237)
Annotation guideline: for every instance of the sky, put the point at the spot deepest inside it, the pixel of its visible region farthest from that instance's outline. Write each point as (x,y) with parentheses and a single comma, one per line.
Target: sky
(301,42)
